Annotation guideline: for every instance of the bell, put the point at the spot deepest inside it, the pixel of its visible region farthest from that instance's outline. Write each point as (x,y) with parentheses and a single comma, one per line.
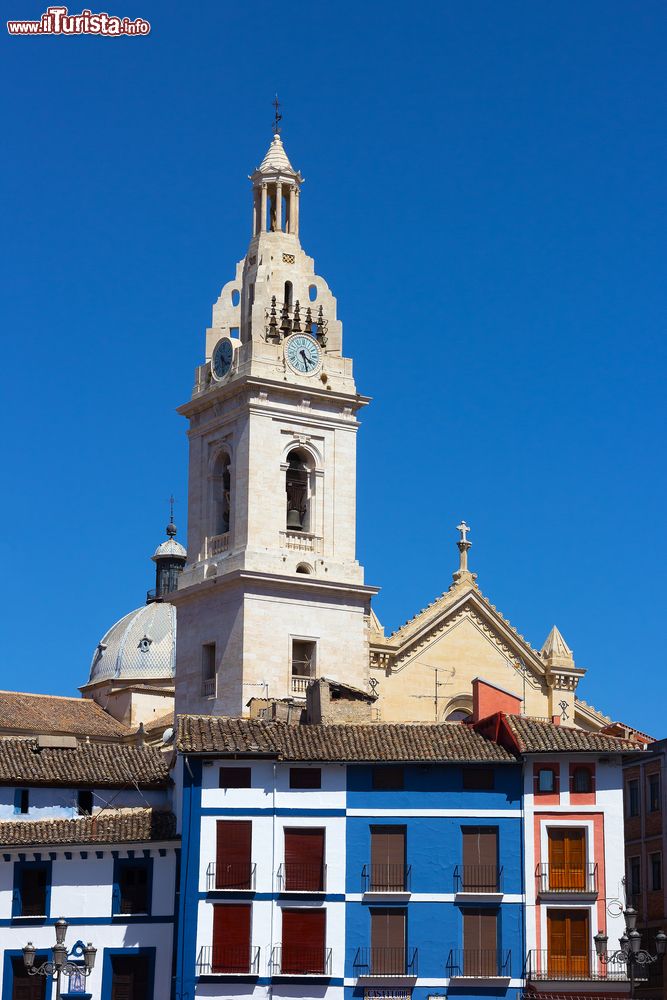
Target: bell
(293,520)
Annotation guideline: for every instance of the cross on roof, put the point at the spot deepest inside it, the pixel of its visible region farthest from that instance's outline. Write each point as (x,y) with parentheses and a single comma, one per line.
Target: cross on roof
(464,529)
(277,118)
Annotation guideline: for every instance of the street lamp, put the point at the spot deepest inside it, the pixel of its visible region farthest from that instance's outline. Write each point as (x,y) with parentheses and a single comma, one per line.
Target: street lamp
(631,951)
(59,965)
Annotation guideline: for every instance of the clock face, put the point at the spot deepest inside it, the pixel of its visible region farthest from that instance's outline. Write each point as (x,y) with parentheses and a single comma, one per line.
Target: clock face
(221,361)
(303,354)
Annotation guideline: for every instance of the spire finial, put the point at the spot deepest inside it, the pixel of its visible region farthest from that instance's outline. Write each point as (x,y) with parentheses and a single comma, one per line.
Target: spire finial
(463,574)
(277,117)
(171,527)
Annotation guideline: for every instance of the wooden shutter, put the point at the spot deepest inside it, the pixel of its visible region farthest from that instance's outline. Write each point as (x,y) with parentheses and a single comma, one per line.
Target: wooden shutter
(567,938)
(387,859)
(231,938)
(134,888)
(304,860)
(480,942)
(480,859)
(304,941)
(233,865)
(387,942)
(24,986)
(567,860)
(33,892)
(129,977)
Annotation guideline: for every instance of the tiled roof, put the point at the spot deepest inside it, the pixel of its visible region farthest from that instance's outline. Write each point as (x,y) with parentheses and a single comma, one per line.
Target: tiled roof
(373,742)
(96,765)
(47,714)
(110,826)
(536,736)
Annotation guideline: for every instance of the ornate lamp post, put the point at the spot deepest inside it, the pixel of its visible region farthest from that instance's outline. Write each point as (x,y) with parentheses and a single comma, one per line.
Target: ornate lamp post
(59,964)
(631,951)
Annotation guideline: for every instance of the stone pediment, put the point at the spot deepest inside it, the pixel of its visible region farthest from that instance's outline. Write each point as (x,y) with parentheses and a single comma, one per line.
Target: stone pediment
(460,603)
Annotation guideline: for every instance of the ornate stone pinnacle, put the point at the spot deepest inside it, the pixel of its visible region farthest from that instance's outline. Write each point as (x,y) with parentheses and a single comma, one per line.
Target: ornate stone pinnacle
(463,574)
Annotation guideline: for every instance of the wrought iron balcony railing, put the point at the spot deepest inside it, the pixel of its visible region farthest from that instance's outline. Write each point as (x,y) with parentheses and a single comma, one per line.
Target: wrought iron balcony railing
(556,878)
(386,962)
(479,963)
(542,964)
(208,687)
(478,878)
(240,876)
(295,876)
(234,960)
(386,878)
(300,960)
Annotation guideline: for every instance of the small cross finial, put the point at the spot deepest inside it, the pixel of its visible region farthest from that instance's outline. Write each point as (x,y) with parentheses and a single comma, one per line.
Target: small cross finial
(171,527)
(277,118)
(463,544)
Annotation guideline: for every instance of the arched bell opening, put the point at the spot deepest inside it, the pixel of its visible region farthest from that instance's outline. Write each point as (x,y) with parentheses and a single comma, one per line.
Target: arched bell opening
(221,490)
(297,491)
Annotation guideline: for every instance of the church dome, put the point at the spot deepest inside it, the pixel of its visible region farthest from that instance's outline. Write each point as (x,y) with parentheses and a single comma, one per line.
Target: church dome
(170,548)
(141,646)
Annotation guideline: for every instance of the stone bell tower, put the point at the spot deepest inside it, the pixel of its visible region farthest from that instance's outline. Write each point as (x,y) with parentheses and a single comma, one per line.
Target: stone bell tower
(272,594)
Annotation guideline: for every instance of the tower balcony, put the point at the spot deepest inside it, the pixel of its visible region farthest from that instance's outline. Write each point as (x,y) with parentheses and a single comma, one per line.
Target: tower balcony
(301,541)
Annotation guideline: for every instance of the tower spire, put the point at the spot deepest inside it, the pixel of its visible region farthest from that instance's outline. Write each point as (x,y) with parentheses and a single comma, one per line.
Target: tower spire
(277,117)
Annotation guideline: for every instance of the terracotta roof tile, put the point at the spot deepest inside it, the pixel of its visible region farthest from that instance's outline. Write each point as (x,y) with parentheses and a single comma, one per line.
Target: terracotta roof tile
(373,742)
(97,765)
(22,713)
(537,736)
(110,826)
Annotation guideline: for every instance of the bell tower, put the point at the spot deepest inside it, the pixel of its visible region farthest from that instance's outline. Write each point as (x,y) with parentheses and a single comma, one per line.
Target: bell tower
(272,595)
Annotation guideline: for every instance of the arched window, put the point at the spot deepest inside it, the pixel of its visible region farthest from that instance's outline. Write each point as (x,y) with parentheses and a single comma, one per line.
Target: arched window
(458,715)
(222,495)
(297,491)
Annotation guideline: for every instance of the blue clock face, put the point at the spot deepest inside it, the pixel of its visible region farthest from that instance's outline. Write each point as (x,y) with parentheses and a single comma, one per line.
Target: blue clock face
(302,354)
(221,361)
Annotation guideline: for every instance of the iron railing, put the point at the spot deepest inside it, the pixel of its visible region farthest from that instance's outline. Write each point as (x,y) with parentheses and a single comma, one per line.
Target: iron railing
(386,962)
(557,878)
(479,963)
(208,687)
(478,878)
(542,964)
(300,960)
(386,878)
(239,875)
(295,876)
(226,959)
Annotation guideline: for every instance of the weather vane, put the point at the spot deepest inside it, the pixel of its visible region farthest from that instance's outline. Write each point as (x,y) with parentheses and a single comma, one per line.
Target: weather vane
(277,118)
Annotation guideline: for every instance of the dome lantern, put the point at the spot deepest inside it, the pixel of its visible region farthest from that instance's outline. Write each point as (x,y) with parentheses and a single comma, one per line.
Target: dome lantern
(169,559)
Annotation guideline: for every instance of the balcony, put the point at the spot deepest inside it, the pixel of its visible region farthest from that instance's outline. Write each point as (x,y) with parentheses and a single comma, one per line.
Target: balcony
(555,879)
(208,687)
(479,963)
(301,541)
(541,965)
(386,878)
(382,962)
(295,876)
(300,960)
(238,877)
(300,683)
(228,960)
(218,544)
(478,879)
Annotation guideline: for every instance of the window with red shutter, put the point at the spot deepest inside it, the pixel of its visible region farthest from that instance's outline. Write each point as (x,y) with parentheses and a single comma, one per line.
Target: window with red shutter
(304,942)
(304,860)
(233,859)
(231,938)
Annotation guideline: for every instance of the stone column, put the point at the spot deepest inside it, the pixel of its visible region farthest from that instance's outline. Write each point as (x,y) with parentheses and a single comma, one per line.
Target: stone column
(297,198)
(254,212)
(263,211)
(292,209)
(279,206)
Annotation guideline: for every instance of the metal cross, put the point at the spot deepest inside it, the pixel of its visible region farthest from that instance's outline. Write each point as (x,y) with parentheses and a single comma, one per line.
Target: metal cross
(171,508)
(464,529)
(277,117)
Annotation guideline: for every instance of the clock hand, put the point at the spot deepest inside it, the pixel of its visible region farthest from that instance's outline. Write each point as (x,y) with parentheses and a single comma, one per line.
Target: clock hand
(305,359)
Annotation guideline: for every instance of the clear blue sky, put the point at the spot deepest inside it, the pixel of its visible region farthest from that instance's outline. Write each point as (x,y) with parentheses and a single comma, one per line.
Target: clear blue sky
(485,194)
